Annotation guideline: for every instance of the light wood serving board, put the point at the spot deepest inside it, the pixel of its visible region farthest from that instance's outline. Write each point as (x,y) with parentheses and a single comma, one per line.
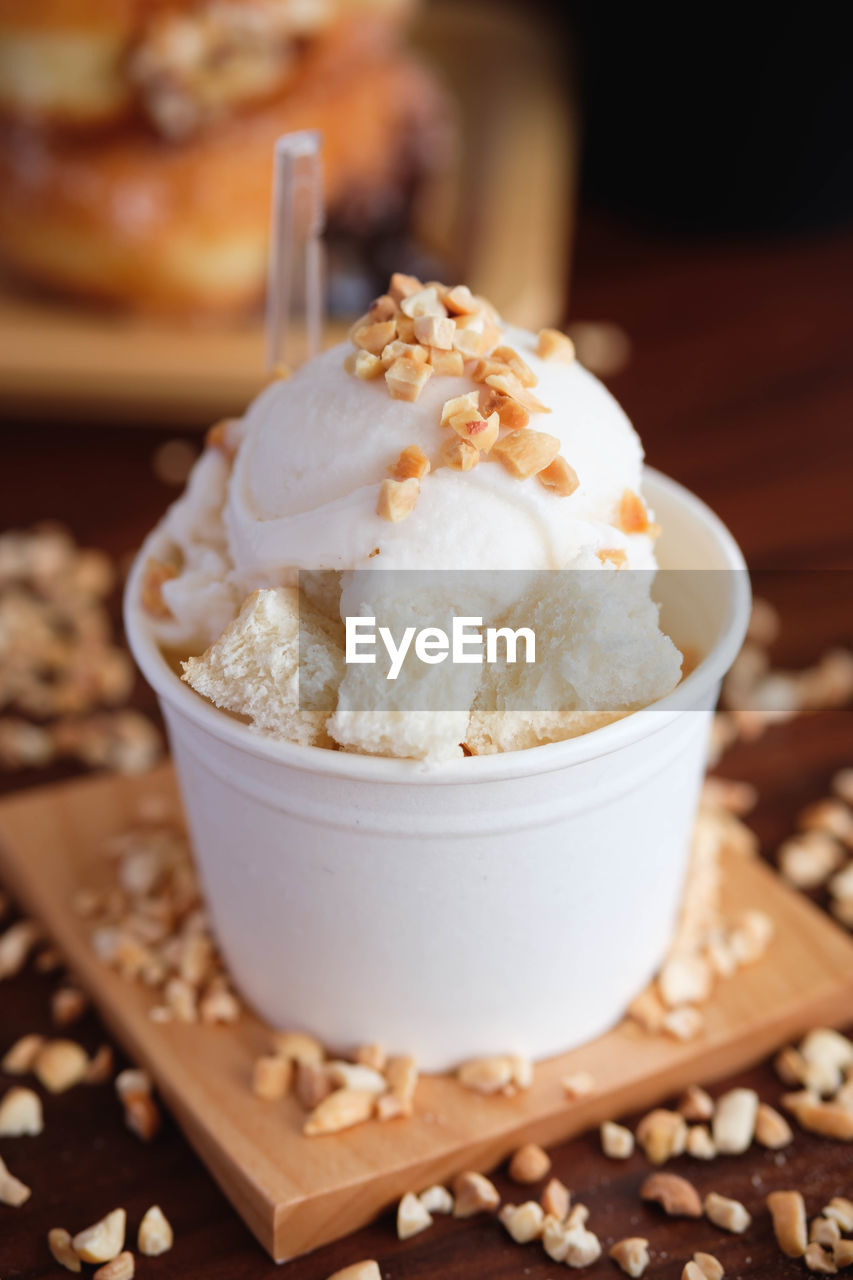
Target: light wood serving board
(297,1193)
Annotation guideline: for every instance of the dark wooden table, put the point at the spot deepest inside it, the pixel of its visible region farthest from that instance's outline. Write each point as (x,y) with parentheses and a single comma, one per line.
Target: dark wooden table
(741,385)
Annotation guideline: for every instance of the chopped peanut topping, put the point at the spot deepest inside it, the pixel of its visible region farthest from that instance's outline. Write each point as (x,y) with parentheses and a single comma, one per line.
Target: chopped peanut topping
(381,309)
(435,331)
(513,415)
(220,436)
(363,365)
(525,453)
(412,464)
(467,404)
(374,337)
(633,517)
(485,368)
(510,386)
(460,301)
(555,346)
(519,367)
(446,364)
(471,342)
(424,302)
(459,455)
(402,286)
(481,432)
(406,378)
(397,499)
(151,592)
(559,477)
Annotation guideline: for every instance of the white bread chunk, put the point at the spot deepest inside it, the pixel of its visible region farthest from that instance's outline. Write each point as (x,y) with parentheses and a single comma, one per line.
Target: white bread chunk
(600,654)
(276,647)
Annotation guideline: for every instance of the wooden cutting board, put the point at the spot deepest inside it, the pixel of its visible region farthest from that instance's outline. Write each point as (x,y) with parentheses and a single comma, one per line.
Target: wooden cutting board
(296,1193)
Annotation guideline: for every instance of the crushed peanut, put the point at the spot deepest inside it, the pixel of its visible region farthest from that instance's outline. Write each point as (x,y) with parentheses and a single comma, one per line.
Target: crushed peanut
(67,1005)
(818,1260)
(104,1240)
(788,1212)
(523,1222)
(529,1164)
(662,1134)
(631,1254)
(155,1233)
(459,454)
(13,1192)
(632,516)
(121,1268)
(526,453)
(579,1085)
(772,1129)
(696,1105)
(734,1121)
(617,1142)
(15,947)
(559,477)
(556,346)
(412,464)
(368,1270)
(700,1144)
(412,1217)
(20,1113)
(271,1077)
(340,1110)
(556,1200)
(437,1199)
(397,499)
(840,1210)
(473,1193)
(726,1213)
(20,1058)
(60,1064)
(364,365)
(709,1267)
(676,1196)
(406,378)
(59,1243)
(501,1074)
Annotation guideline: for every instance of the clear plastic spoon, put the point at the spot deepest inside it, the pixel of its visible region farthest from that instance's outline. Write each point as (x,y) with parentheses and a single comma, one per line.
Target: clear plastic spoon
(294,320)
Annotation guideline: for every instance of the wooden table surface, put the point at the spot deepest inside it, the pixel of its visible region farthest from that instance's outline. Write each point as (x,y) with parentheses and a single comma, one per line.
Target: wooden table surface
(741,385)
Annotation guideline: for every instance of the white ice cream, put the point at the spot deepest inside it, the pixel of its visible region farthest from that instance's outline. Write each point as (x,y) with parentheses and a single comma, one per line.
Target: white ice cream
(302,495)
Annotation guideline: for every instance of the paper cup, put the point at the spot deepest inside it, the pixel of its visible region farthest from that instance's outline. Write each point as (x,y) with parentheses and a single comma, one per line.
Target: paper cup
(507,903)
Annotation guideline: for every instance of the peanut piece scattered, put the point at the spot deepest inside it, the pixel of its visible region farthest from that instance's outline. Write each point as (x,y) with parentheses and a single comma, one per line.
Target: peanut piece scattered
(481,432)
(412,464)
(60,1064)
(13,1192)
(696,1105)
(825,1231)
(840,1210)
(579,1085)
(631,1254)
(772,1129)
(556,1199)
(341,1110)
(20,1114)
(59,1243)
(829,1119)
(559,477)
(525,453)
(412,1217)
(299,1047)
(662,1134)
(104,1240)
(523,1222)
(684,979)
(20,1058)
(734,1121)
(700,1144)
(842,1254)
(312,1084)
(354,1075)
(373,1055)
(676,1196)
(710,1268)
(487,1075)
(368,1270)
(818,1260)
(271,1077)
(556,346)
(512,415)
(726,1213)
(529,1164)
(788,1211)
(617,1142)
(15,947)
(518,366)
(397,499)
(473,1193)
(464,404)
(437,1199)
(155,1233)
(120,1268)
(509,385)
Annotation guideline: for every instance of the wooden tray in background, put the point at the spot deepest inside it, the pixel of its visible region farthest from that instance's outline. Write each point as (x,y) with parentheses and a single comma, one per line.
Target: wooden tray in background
(507,213)
(296,1193)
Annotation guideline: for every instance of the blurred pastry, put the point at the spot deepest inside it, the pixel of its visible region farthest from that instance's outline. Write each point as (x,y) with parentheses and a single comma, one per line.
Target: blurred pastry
(136,136)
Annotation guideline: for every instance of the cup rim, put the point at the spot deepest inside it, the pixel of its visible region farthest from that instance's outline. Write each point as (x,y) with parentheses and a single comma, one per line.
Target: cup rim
(545,758)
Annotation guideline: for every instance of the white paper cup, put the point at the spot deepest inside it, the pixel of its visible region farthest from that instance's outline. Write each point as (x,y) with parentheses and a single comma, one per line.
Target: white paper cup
(501,903)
